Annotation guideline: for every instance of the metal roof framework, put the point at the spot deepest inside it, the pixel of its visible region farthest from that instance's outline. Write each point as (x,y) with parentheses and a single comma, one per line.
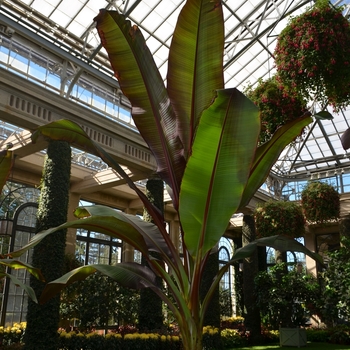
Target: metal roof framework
(66,27)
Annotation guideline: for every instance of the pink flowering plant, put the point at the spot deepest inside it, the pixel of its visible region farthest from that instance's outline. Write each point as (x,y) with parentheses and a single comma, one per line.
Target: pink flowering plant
(279,218)
(277,105)
(320,202)
(312,55)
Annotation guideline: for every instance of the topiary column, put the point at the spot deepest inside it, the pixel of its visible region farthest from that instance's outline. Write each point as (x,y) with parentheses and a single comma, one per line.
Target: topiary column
(212,315)
(250,270)
(48,255)
(150,308)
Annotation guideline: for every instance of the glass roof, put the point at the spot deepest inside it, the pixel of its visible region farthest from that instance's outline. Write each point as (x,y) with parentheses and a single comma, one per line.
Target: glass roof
(251,30)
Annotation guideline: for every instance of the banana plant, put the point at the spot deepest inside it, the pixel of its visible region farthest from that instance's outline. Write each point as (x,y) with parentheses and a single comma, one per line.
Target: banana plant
(205,141)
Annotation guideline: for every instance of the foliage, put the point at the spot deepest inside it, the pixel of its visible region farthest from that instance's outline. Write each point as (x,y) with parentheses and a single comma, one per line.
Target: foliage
(99,301)
(204,139)
(320,202)
(279,218)
(340,335)
(113,341)
(235,322)
(318,335)
(211,338)
(286,299)
(312,55)
(231,338)
(12,334)
(48,256)
(277,105)
(225,300)
(336,282)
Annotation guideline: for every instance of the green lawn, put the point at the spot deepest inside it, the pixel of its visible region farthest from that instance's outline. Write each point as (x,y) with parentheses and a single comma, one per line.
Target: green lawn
(309,346)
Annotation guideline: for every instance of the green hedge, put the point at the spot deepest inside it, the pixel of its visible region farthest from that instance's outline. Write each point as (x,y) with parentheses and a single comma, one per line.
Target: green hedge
(134,341)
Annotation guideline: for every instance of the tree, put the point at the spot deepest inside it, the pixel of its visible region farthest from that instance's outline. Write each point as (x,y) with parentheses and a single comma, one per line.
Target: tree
(48,256)
(336,283)
(204,139)
(286,299)
(97,302)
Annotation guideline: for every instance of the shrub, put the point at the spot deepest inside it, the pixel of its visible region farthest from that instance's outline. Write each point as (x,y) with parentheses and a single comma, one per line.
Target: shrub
(317,335)
(211,338)
(270,336)
(340,335)
(12,334)
(113,341)
(235,322)
(71,340)
(232,338)
(95,341)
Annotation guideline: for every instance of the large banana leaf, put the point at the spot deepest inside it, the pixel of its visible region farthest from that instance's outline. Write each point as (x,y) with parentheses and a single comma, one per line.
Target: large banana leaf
(268,153)
(20,284)
(71,132)
(150,232)
(131,275)
(195,64)
(279,242)
(217,172)
(108,225)
(141,82)
(17,264)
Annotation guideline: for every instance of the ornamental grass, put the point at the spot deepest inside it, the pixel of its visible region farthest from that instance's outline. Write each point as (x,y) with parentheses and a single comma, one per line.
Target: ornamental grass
(312,55)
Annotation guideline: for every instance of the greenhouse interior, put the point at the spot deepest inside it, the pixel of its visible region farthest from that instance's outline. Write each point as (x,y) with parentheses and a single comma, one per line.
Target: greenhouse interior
(282,64)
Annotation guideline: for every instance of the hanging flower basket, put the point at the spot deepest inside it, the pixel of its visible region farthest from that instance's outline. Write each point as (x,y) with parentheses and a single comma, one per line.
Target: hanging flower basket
(277,105)
(312,55)
(279,218)
(320,202)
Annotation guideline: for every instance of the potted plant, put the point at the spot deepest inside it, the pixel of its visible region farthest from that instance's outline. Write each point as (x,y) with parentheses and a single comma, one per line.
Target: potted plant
(320,202)
(277,105)
(279,218)
(312,55)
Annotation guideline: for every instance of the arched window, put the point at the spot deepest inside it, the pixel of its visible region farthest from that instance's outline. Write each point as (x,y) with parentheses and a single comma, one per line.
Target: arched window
(226,283)
(18,209)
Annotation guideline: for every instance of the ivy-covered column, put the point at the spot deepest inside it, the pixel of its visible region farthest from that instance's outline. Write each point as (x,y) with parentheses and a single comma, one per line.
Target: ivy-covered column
(212,315)
(250,270)
(151,310)
(344,227)
(48,255)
